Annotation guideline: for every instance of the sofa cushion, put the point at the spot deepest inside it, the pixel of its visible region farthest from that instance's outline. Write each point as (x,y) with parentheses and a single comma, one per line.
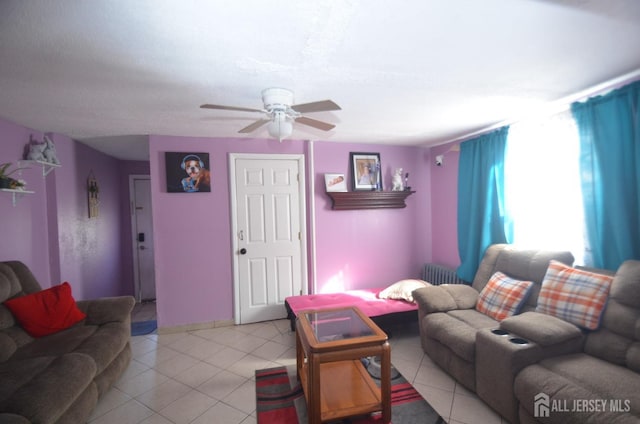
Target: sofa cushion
(526,265)
(6,317)
(618,339)
(402,290)
(503,296)
(7,346)
(47,311)
(57,344)
(10,285)
(105,344)
(445,297)
(580,376)
(16,373)
(457,330)
(574,295)
(47,392)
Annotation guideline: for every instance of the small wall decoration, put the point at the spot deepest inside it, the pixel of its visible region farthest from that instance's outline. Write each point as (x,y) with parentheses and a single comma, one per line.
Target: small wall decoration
(365,171)
(93,190)
(335,182)
(187,172)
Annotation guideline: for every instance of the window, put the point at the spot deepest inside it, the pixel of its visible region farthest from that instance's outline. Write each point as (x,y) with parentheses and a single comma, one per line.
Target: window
(542,185)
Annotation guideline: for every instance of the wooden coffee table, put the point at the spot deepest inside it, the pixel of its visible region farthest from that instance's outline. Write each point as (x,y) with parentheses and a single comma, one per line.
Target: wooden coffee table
(329,346)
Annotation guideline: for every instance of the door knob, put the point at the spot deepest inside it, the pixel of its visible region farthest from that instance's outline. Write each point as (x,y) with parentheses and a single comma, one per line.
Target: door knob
(142,247)
(243,251)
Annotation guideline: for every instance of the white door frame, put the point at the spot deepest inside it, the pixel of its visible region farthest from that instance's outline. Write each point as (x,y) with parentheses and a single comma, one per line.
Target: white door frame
(137,290)
(234,224)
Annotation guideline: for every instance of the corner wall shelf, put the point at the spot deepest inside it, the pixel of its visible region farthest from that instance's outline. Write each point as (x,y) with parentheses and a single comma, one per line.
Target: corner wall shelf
(17,194)
(47,167)
(346,200)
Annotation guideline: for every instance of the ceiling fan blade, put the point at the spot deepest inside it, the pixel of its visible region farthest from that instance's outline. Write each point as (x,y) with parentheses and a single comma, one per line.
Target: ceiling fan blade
(242,109)
(324,126)
(255,125)
(320,106)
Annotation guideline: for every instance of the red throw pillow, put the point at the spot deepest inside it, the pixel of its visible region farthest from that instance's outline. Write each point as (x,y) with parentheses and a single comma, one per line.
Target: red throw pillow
(47,311)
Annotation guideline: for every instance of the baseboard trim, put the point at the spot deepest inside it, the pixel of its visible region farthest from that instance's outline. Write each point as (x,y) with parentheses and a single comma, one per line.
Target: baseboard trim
(197,326)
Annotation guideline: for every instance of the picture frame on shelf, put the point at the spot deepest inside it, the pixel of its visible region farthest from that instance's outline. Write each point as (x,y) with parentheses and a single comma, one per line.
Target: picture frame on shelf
(335,182)
(365,171)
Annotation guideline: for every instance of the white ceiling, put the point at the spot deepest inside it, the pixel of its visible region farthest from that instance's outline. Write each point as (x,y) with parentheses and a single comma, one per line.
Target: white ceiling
(408,72)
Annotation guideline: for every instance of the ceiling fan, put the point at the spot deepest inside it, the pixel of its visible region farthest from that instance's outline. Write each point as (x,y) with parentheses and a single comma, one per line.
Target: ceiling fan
(281,113)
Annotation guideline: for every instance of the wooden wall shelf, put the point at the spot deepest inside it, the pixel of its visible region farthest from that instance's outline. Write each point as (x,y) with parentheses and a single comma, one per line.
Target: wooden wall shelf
(368,199)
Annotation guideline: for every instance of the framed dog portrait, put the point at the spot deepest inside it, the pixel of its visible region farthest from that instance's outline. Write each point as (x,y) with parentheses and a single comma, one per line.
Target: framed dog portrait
(365,171)
(335,182)
(187,172)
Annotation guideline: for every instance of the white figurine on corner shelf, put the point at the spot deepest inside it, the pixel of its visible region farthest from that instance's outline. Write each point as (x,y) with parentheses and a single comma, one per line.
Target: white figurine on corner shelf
(397,180)
(36,151)
(43,152)
(50,151)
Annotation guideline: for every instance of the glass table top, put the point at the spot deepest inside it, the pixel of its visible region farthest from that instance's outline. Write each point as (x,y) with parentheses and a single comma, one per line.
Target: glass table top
(337,325)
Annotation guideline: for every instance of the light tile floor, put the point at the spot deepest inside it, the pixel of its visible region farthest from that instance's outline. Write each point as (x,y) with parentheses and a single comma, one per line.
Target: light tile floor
(207,376)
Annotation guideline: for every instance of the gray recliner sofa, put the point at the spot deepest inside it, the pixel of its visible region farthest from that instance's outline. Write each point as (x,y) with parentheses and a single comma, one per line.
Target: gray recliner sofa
(534,367)
(447,317)
(59,378)
(596,381)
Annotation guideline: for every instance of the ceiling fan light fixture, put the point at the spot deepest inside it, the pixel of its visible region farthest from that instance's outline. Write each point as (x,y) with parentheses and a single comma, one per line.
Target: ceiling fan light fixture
(280,127)
(280,113)
(277,98)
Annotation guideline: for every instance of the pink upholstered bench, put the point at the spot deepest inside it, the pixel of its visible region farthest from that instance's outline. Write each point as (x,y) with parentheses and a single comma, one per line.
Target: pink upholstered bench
(382,311)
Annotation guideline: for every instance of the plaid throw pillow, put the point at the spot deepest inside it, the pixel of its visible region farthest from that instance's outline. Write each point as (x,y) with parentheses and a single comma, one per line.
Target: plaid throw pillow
(573,295)
(503,296)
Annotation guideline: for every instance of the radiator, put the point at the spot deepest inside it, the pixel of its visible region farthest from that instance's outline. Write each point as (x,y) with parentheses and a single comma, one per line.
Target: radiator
(438,274)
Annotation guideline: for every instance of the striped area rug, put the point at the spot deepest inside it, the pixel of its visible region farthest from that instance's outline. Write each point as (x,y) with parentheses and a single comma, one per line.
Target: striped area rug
(280,400)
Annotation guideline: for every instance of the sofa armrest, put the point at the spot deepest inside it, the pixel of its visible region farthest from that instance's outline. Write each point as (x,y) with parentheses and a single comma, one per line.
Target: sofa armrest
(545,330)
(521,340)
(445,298)
(107,309)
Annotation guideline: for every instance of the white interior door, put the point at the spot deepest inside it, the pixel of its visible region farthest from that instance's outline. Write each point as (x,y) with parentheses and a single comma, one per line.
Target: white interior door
(142,229)
(269,239)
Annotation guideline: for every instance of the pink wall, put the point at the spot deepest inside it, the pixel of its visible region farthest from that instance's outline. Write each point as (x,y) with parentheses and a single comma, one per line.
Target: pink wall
(194,281)
(50,230)
(444,206)
(192,239)
(371,248)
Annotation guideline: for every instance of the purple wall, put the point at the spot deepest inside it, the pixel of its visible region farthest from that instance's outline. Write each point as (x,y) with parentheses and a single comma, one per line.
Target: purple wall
(24,232)
(194,280)
(371,248)
(50,230)
(89,249)
(444,206)
(192,239)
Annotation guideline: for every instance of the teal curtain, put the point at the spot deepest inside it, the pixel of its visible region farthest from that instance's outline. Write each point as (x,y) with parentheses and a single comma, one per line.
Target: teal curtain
(482,220)
(609,129)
